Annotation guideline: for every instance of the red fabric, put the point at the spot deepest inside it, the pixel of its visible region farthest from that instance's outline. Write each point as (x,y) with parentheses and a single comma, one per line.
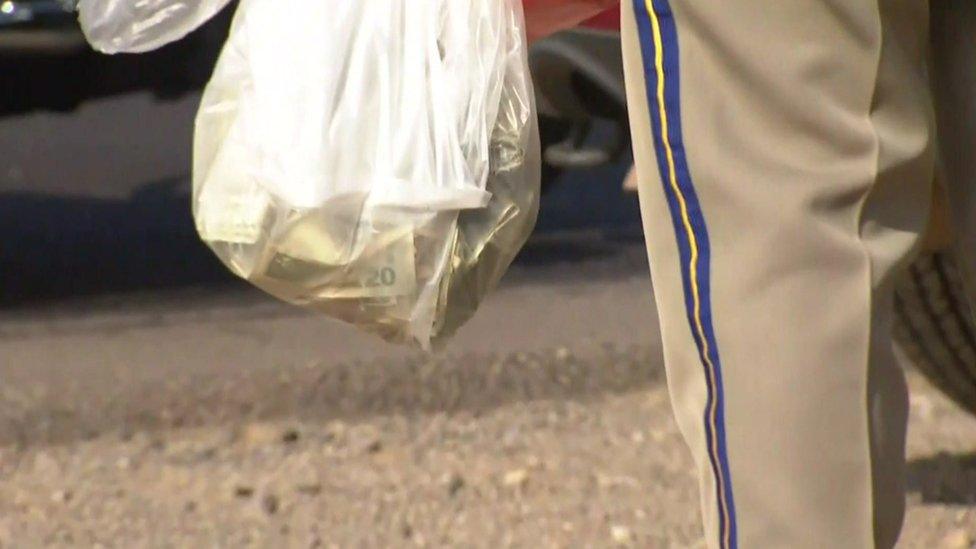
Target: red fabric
(544,17)
(608,20)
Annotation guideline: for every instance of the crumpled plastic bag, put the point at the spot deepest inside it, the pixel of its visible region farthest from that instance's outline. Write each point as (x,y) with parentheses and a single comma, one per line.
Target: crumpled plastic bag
(376,160)
(115,26)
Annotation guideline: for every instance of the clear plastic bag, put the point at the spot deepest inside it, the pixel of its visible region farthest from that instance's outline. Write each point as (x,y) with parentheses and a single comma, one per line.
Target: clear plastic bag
(115,26)
(371,161)
(376,160)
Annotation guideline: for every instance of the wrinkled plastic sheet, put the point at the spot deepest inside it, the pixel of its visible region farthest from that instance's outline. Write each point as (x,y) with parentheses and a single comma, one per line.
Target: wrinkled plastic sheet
(115,26)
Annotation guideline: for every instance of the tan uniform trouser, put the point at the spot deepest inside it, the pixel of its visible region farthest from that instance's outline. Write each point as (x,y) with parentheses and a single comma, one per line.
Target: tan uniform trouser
(786,152)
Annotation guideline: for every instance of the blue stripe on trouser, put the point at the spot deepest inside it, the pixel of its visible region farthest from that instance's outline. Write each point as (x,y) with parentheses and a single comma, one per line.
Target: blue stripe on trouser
(659,45)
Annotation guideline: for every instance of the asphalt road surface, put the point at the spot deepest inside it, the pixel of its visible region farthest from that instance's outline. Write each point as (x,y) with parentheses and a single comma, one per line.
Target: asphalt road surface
(214,417)
(148,401)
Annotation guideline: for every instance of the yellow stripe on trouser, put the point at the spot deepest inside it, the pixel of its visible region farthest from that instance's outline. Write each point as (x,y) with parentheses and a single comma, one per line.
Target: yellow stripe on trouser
(693,266)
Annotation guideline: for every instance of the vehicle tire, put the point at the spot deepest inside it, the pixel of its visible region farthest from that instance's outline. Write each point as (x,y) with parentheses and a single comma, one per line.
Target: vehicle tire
(934,326)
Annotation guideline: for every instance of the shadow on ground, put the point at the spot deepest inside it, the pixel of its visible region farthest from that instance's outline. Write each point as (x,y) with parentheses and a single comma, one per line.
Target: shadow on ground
(944,478)
(59,247)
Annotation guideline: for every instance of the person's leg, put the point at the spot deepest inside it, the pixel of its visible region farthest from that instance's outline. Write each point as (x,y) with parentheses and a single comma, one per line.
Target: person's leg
(784,152)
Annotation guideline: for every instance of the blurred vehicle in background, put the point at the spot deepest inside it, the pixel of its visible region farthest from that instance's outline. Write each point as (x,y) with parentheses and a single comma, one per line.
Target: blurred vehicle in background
(39,26)
(47,64)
